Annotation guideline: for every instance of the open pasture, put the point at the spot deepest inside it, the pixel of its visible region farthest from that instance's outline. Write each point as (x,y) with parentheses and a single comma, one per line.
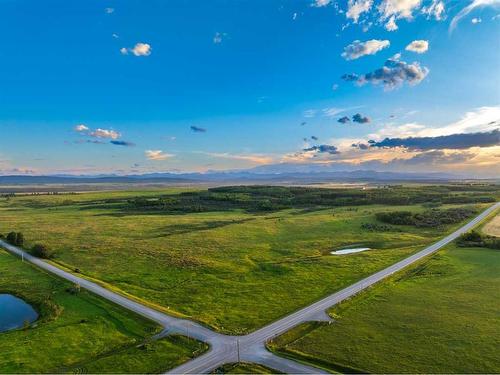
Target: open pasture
(232,258)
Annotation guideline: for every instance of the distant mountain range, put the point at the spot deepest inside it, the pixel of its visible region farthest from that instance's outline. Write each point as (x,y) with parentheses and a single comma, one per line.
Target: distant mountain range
(279,173)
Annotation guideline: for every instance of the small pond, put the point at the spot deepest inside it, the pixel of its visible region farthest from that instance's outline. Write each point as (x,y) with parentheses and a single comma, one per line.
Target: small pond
(350,251)
(15,313)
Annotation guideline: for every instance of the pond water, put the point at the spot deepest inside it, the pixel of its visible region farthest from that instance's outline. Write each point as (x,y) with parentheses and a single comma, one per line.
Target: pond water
(350,251)
(14,313)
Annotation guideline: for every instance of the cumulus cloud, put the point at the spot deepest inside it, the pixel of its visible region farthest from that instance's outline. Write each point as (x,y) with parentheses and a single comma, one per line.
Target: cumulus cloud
(344,120)
(391,10)
(104,133)
(357,7)
(436,9)
(358,49)
(476,20)
(393,74)
(469,8)
(197,129)
(81,128)
(360,119)
(452,141)
(140,49)
(122,143)
(157,155)
(328,149)
(418,46)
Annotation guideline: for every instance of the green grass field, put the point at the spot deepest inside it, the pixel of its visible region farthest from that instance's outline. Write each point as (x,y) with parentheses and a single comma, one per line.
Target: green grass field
(80,333)
(244,368)
(441,316)
(232,270)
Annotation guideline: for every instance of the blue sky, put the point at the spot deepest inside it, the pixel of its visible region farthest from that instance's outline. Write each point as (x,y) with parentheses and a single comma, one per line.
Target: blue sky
(247,72)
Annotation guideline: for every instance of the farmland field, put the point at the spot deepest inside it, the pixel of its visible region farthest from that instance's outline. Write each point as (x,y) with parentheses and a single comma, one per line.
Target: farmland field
(232,258)
(492,228)
(440,316)
(80,332)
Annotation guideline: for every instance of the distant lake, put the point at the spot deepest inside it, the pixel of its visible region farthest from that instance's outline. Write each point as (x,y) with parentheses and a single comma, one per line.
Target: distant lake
(14,312)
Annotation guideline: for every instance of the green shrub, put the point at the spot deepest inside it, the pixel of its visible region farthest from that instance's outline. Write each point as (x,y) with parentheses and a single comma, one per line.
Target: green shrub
(41,251)
(12,238)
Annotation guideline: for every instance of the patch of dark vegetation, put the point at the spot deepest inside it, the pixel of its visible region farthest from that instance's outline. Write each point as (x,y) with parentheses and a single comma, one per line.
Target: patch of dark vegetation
(41,251)
(476,239)
(195,227)
(15,238)
(263,199)
(430,218)
(374,227)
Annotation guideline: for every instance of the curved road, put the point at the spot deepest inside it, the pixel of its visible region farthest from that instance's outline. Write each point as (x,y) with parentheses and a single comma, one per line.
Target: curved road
(224,348)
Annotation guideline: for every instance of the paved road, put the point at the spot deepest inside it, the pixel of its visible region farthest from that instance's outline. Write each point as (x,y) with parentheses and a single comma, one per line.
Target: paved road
(223,348)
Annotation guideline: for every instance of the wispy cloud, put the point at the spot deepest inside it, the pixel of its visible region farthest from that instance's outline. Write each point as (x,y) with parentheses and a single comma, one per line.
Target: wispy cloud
(357,7)
(392,10)
(253,158)
(469,8)
(435,10)
(157,155)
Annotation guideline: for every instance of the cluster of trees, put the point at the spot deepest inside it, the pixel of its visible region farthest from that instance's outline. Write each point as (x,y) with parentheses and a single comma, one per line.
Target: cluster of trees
(428,218)
(273,198)
(476,239)
(38,250)
(15,238)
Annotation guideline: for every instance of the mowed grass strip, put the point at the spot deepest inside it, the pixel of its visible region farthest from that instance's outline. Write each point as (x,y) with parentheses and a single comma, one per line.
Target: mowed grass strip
(80,333)
(441,316)
(244,368)
(232,270)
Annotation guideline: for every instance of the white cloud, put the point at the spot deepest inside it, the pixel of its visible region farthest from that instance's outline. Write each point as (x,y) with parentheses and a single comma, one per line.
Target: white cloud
(105,133)
(358,49)
(309,113)
(253,158)
(109,10)
(392,10)
(140,49)
(436,9)
(115,35)
(321,3)
(219,37)
(357,7)
(476,20)
(418,46)
(157,155)
(482,119)
(81,128)
(469,8)
(391,24)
